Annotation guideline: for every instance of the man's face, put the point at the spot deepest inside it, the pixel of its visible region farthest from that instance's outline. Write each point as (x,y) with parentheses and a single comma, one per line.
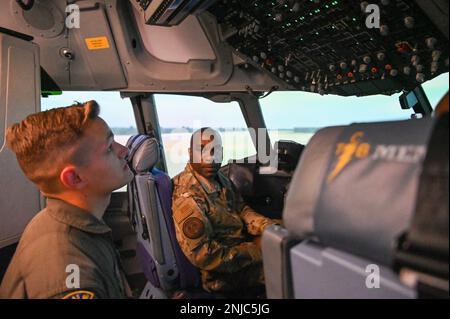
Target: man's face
(105,168)
(206,153)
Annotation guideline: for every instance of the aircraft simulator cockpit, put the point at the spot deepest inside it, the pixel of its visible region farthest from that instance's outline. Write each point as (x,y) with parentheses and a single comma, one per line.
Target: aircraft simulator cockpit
(364,207)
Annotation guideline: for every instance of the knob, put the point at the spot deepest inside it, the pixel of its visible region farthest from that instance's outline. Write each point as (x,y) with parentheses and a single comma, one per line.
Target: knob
(393,72)
(420,77)
(364,5)
(363,68)
(410,22)
(436,55)
(67,53)
(407,70)
(381,56)
(384,30)
(434,67)
(431,42)
(415,60)
(367,59)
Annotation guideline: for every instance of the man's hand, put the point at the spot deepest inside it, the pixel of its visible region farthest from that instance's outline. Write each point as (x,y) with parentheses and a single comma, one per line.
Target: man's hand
(256,223)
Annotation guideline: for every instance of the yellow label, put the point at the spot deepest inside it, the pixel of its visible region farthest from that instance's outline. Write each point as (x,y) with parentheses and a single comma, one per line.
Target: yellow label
(97,43)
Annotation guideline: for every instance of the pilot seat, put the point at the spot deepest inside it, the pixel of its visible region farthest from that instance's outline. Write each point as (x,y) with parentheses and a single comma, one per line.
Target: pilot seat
(167,270)
(366,215)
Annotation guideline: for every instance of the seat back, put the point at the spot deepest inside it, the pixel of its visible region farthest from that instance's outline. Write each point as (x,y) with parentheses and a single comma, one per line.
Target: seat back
(150,198)
(351,201)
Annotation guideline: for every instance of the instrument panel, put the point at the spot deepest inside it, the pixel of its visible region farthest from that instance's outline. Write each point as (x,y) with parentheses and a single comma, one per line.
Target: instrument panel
(343,47)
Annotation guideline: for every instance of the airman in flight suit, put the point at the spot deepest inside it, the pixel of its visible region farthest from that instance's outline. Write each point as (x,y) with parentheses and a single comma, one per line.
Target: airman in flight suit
(66,251)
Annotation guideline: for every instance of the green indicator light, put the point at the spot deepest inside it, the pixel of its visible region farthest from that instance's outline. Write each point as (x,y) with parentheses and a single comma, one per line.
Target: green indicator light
(47,93)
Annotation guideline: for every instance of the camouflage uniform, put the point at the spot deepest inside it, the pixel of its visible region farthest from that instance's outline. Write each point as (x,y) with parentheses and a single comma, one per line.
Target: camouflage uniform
(216,229)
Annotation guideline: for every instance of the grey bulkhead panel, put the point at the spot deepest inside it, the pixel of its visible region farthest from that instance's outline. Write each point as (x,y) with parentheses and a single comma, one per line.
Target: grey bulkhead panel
(19,96)
(46,24)
(149,71)
(131,61)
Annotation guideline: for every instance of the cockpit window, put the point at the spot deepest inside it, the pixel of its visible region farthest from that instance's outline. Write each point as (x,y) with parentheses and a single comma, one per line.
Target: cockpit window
(180,115)
(296,116)
(117,112)
(436,89)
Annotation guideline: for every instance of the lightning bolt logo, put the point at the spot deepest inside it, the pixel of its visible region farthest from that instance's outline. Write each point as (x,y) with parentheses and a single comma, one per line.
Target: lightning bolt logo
(346,152)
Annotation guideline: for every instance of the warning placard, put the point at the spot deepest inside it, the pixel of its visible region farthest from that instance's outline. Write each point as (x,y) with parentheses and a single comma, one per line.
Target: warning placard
(97,43)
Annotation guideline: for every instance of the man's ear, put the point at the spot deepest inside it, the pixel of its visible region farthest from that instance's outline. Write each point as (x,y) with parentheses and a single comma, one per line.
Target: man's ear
(70,178)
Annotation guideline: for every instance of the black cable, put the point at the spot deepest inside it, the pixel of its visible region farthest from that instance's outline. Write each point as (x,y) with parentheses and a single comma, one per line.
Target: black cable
(261,96)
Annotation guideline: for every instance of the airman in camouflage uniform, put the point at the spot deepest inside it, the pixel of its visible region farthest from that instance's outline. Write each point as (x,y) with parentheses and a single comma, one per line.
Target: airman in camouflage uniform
(216,230)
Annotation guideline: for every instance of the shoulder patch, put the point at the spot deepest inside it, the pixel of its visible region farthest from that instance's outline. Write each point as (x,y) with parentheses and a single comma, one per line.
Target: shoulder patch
(193,228)
(80,294)
(184,207)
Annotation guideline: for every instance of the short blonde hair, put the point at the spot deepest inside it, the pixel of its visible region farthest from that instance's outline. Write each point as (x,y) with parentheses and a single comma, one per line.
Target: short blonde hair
(42,140)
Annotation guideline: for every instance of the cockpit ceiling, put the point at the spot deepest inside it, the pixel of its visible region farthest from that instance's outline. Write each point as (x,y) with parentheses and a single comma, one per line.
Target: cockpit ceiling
(320,46)
(327,47)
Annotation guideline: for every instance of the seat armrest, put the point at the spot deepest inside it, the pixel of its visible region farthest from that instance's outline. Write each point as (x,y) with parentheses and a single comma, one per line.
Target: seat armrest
(276,244)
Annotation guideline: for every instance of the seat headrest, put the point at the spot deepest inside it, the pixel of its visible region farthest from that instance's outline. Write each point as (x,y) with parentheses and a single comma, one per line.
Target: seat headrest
(355,187)
(144,153)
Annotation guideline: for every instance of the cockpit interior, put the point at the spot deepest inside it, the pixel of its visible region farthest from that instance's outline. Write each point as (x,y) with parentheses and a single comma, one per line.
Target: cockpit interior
(364,206)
